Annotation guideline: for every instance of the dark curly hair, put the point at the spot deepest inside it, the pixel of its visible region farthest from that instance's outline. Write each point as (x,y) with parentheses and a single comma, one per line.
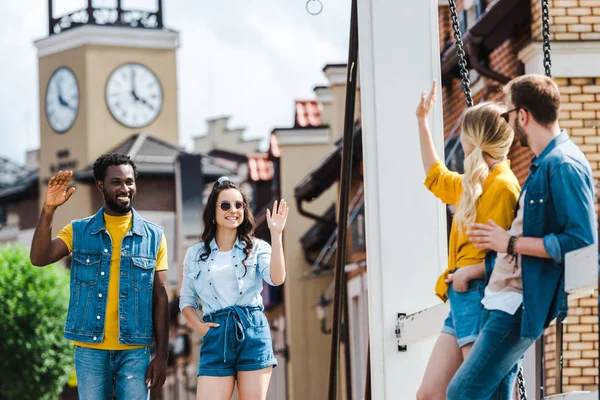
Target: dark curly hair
(106,160)
(245,231)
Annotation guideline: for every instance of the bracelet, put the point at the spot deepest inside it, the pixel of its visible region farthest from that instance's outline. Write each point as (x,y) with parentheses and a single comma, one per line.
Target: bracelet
(511,246)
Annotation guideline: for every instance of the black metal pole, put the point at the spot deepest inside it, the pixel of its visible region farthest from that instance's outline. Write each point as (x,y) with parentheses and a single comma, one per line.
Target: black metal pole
(345,181)
(90,12)
(347,355)
(345,178)
(50,18)
(559,356)
(119,12)
(159,14)
(540,374)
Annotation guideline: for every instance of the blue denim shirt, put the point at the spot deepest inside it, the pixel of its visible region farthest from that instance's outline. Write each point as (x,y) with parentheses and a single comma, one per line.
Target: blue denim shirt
(90,272)
(198,283)
(559,207)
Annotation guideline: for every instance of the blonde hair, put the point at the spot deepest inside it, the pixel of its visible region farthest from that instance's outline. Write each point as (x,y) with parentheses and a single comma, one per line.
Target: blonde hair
(483,127)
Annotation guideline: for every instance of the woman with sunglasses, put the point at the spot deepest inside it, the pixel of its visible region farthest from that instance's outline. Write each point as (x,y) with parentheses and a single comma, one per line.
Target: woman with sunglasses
(487,191)
(225,271)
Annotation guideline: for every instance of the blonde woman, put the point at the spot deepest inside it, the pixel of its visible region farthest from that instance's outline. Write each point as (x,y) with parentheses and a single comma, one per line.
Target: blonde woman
(488,191)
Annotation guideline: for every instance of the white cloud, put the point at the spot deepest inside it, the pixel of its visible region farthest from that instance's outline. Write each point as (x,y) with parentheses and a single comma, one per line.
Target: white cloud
(245,58)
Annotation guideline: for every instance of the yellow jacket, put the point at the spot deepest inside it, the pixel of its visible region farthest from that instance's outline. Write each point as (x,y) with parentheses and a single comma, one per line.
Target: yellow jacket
(500,195)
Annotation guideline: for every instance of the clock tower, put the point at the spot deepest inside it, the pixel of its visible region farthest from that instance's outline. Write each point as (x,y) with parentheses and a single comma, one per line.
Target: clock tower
(104,75)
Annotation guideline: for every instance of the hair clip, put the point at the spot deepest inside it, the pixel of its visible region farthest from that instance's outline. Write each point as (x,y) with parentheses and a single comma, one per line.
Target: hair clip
(222,179)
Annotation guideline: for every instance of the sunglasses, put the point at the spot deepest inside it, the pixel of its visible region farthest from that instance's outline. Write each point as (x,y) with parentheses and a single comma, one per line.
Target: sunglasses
(226,205)
(506,115)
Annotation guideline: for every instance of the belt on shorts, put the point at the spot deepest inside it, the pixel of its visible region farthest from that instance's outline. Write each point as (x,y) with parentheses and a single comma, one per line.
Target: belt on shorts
(237,315)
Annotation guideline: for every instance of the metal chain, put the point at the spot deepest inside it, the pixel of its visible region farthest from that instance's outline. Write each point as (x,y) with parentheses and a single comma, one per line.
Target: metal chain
(462,62)
(521,384)
(546,37)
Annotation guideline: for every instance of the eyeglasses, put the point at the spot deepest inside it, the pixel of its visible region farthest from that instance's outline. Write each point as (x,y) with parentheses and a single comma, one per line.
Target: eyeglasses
(226,205)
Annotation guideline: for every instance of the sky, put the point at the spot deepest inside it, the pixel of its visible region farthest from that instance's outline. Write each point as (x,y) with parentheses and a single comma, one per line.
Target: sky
(248,59)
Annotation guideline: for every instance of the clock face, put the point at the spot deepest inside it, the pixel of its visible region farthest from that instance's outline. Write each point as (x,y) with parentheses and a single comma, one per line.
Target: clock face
(134,95)
(62,100)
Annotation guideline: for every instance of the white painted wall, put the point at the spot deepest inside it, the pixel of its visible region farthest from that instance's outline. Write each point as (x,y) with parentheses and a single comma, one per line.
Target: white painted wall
(406,240)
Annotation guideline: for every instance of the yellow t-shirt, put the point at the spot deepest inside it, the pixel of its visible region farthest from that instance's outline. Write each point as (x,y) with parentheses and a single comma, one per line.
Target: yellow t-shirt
(497,202)
(117,227)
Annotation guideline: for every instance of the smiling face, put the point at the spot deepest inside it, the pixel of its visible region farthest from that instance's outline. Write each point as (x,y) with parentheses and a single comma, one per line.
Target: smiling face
(232,217)
(118,189)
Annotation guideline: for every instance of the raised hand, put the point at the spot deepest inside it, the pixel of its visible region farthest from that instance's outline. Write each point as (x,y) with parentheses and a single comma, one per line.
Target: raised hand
(57,193)
(427,102)
(276,219)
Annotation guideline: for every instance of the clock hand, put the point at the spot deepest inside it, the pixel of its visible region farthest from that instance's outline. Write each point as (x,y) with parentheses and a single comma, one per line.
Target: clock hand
(132,78)
(144,102)
(64,103)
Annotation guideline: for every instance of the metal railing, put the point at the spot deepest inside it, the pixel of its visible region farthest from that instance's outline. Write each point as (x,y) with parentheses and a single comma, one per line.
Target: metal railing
(105,16)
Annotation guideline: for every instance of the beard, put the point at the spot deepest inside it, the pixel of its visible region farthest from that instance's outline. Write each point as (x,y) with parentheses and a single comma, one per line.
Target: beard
(520,134)
(115,206)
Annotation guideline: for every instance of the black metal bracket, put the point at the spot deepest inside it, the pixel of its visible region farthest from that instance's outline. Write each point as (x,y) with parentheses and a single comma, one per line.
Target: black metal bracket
(399,322)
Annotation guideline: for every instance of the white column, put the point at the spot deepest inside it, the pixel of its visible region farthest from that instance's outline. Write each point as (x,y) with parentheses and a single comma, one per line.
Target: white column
(406,240)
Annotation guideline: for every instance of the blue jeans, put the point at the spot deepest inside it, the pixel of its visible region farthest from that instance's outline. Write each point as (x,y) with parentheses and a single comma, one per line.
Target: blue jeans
(490,370)
(100,372)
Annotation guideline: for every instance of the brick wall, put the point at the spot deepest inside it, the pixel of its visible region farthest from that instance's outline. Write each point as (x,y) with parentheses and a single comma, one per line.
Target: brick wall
(580,115)
(575,20)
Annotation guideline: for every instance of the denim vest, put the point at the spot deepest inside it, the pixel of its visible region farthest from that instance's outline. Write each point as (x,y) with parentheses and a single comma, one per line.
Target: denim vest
(559,207)
(90,272)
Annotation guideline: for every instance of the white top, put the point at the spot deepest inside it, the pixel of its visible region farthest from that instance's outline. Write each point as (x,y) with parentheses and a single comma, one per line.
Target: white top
(509,302)
(504,291)
(224,278)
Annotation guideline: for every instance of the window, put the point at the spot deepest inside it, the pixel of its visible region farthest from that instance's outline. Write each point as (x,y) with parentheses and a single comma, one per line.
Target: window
(358,230)
(470,14)
(462,22)
(479,8)
(358,327)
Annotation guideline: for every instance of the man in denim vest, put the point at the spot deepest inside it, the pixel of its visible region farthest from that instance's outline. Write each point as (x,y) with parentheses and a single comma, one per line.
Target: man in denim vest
(525,265)
(118,299)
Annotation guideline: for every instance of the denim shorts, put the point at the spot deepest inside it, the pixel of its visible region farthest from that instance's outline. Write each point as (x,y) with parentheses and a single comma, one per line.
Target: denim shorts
(465,312)
(242,342)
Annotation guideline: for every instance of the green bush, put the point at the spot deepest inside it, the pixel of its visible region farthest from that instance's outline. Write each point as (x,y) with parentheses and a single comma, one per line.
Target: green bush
(35,358)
